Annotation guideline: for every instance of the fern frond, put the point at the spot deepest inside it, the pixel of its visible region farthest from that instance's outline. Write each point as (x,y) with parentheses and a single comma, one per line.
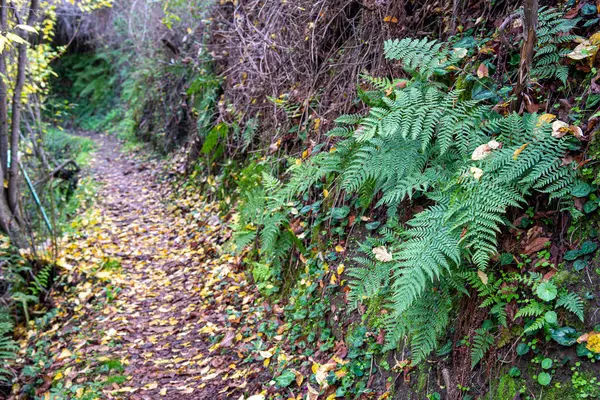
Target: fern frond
(482,342)
(573,303)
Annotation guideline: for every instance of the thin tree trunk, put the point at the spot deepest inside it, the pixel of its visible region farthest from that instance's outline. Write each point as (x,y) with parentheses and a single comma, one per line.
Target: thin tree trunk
(3,96)
(530,21)
(13,171)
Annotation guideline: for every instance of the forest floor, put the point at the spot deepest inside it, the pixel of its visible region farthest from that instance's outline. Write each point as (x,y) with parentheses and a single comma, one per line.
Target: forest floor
(168,314)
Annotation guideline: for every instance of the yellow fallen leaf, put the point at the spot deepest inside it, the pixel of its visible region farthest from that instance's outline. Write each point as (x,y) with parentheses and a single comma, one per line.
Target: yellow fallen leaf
(339,249)
(340,373)
(545,119)
(65,353)
(103,275)
(593,343)
(519,151)
(314,368)
(340,269)
(333,279)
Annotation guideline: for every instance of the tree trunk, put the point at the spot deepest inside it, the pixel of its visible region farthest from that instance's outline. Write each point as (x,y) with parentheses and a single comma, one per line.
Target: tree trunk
(13,171)
(3,95)
(530,20)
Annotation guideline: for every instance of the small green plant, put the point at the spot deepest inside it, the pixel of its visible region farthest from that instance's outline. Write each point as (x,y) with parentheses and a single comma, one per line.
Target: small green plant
(553,32)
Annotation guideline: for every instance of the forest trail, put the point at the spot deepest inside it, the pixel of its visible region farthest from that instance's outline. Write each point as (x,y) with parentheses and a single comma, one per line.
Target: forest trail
(182,322)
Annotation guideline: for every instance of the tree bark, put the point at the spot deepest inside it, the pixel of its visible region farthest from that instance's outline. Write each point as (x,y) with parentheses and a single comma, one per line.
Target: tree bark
(13,171)
(530,21)
(3,96)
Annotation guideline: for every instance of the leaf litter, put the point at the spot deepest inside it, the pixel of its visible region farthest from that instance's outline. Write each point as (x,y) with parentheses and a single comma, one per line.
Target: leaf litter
(179,315)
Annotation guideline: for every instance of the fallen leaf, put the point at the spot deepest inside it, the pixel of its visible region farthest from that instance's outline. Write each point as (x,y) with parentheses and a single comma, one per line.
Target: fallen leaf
(482,71)
(519,151)
(483,276)
(381,254)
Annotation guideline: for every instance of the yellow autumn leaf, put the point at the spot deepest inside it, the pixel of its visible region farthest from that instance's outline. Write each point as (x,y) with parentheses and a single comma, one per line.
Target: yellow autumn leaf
(65,353)
(103,275)
(593,343)
(333,279)
(545,119)
(314,368)
(340,373)
(519,151)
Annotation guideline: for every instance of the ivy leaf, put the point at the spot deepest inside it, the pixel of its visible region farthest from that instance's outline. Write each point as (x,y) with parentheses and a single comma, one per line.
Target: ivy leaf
(522,349)
(579,265)
(546,363)
(286,378)
(571,255)
(590,206)
(546,291)
(373,225)
(588,247)
(551,317)
(565,336)
(340,212)
(544,378)
(581,190)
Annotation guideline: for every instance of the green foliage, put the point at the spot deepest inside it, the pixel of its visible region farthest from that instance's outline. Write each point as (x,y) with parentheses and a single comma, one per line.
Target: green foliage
(482,342)
(573,303)
(65,146)
(418,141)
(90,82)
(553,32)
(8,346)
(425,57)
(42,280)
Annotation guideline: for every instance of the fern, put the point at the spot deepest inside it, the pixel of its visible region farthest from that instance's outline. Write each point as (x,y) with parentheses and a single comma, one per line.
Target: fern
(418,140)
(8,346)
(425,57)
(482,342)
(533,309)
(573,303)
(552,32)
(41,281)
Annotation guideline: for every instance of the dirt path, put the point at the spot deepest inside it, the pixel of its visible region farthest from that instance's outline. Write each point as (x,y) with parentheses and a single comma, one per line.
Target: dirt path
(183,319)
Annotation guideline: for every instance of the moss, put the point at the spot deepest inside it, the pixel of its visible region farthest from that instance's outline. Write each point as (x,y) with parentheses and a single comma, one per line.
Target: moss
(507,388)
(559,393)
(565,278)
